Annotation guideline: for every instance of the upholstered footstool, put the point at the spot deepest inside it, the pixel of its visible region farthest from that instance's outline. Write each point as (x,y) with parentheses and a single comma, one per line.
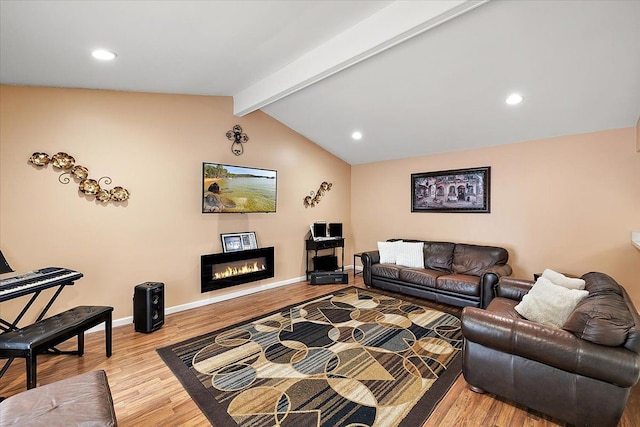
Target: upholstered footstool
(82,400)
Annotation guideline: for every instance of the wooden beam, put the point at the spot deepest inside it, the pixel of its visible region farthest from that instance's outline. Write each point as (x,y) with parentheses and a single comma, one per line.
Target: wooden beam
(390,26)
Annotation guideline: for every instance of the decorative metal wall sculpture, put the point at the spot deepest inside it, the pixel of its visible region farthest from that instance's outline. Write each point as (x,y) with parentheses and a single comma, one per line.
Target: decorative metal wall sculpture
(88,186)
(314,198)
(238,137)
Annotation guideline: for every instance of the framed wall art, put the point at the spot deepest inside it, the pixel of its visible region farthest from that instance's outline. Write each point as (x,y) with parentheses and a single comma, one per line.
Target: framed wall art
(458,190)
(234,242)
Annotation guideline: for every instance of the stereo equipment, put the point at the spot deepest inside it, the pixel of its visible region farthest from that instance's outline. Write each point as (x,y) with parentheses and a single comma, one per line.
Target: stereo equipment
(335,229)
(325,263)
(148,306)
(319,229)
(329,278)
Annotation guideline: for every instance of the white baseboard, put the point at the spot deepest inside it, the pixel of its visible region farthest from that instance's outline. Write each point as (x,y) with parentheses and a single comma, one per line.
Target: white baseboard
(240,293)
(182,307)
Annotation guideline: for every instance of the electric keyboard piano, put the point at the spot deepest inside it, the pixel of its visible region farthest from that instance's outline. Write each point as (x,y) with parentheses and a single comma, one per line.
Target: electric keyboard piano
(16,285)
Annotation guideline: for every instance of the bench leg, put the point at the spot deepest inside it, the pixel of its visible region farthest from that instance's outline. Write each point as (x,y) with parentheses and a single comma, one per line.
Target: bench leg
(30,361)
(81,343)
(107,334)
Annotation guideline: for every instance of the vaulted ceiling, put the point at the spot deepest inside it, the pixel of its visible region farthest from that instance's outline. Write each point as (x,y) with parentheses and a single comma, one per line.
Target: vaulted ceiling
(414,77)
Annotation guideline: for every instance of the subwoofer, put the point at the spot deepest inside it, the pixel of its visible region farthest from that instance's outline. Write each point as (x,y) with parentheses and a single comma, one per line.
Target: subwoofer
(148,306)
(329,278)
(325,263)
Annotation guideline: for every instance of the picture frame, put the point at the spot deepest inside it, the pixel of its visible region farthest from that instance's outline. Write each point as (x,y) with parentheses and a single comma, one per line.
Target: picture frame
(456,190)
(235,242)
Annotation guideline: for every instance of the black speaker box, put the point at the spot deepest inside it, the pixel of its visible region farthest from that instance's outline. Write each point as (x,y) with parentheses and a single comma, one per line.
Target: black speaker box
(319,229)
(325,263)
(335,229)
(329,278)
(148,306)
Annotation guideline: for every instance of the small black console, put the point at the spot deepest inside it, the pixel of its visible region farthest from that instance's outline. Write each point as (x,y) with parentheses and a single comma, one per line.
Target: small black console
(324,262)
(329,278)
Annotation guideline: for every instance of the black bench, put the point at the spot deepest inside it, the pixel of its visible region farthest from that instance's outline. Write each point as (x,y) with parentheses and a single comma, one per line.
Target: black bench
(42,336)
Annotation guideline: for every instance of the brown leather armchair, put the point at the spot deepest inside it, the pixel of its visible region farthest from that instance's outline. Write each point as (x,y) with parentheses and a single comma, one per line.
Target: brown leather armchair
(581,373)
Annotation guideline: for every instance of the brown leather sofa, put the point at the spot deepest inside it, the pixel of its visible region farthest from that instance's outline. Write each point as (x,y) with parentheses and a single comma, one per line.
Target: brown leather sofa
(455,273)
(581,373)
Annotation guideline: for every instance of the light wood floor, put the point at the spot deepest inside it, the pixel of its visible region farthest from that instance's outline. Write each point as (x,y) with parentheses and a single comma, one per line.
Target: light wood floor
(146,393)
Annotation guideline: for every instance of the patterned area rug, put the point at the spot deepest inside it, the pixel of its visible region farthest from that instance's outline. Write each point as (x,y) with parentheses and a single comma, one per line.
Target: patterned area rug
(351,358)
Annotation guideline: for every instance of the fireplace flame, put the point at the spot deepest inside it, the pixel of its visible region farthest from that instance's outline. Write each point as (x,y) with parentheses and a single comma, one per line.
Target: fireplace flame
(237,271)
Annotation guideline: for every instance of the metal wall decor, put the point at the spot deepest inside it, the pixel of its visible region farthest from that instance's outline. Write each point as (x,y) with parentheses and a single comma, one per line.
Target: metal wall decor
(238,137)
(90,187)
(314,198)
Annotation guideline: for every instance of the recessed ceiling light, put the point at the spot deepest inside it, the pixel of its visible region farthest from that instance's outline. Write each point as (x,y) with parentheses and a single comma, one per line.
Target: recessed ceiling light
(103,55)
(356,135)
(514,99)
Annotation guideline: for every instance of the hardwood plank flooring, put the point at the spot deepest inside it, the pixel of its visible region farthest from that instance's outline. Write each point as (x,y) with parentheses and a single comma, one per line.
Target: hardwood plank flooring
(146,393)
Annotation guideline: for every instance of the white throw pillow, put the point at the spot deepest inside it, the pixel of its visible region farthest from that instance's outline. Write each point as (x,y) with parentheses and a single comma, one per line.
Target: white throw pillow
(410,254)
(562,280)
(549,304)
(388,251)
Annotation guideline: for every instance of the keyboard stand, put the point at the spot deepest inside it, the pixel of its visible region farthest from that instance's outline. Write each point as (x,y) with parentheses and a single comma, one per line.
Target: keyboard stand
(5,326)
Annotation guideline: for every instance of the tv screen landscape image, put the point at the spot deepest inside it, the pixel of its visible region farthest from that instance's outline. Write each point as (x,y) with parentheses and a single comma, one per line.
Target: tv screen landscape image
(239,189)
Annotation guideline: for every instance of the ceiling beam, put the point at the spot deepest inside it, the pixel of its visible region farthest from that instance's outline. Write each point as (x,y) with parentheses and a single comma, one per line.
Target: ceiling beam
(390,26)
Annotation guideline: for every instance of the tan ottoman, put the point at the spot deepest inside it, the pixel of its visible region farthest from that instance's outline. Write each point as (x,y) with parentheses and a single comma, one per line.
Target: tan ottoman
(84,400)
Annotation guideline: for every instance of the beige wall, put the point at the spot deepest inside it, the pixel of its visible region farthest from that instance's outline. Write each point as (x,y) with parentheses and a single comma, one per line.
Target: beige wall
(638,134)
(153,145)
(568,204)
(565,203)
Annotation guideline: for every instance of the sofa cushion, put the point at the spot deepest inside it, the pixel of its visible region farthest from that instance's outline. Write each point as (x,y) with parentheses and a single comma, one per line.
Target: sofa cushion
(549,304)
(438,256)
(462,284)
(603,317)
(389,251)
(410,254)
(386,271)
(473,259)
(600,283)
(421,277)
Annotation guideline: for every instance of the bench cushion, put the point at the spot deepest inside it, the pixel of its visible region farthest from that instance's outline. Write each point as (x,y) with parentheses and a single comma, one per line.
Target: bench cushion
(47,329)
(82,400)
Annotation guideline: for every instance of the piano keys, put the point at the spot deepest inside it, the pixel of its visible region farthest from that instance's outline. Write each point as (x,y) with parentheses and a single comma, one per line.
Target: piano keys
(19,284)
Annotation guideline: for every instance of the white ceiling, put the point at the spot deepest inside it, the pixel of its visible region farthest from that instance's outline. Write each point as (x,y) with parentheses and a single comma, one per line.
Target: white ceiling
(415,77)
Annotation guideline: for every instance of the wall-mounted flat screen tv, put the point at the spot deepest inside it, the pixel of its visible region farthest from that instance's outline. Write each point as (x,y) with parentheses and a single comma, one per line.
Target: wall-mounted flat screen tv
(240,189)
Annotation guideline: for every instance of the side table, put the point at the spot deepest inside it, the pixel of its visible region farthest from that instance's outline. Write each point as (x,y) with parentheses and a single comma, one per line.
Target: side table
(358,255)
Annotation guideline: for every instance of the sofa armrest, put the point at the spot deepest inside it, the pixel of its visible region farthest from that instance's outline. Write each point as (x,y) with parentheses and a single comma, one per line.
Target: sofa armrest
(515,289)
(368,259)
(489,280)
(550,346)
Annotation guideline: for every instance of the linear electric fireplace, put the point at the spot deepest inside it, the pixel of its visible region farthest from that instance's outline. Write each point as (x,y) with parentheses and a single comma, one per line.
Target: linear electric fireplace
(219,271)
